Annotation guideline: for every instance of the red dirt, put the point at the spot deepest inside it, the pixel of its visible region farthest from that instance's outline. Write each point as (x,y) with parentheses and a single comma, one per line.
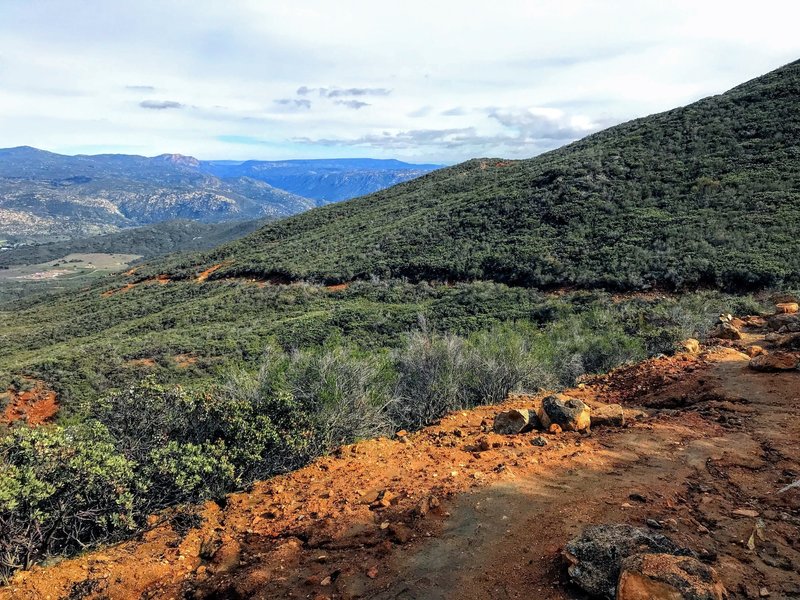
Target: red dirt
(141,362)
(123,289)
(184,361)
(462,523)
(35,406)
(205,274)
(339,287)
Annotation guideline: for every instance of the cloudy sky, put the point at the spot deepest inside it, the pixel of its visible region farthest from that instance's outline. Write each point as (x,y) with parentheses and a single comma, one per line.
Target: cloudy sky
(430,80)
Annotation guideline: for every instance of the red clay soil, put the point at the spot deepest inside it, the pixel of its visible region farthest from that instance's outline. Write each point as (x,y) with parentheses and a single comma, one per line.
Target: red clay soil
(457,512)
(207,273)
(35,406)
(184,361)
(339,287)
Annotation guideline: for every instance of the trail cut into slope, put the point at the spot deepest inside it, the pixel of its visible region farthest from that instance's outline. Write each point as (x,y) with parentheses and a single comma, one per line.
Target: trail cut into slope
(456,511)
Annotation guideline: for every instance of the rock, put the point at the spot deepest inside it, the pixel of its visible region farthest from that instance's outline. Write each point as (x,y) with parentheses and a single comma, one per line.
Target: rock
(539,441)
(568,413)
(400,533)
(784,323)
(752,351)
(777,361)
(514,421)
(555,429)
(483,444)
(692,346)
(726,331)
(384,500)
(595,557)
(790,341)
(787,308)
(668,577)
(773,337)
(608,415)
(755,321)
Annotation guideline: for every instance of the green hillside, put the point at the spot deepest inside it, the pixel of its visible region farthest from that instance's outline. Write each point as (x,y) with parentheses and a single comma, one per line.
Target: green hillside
(278,365)
(704,195)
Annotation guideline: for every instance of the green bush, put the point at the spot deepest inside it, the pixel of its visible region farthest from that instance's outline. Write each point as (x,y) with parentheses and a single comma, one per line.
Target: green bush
(61,489)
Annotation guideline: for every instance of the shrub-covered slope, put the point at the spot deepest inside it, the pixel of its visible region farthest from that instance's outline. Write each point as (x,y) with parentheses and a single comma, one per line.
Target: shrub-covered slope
(707,194)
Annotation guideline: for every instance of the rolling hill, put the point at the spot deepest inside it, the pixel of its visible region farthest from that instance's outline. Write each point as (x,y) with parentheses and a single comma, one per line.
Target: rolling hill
(703,195)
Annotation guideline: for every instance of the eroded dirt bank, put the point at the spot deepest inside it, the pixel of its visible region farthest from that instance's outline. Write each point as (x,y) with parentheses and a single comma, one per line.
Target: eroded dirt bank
(456,512)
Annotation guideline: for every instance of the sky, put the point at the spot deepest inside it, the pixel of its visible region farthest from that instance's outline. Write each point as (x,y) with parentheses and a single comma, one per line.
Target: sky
(423,81)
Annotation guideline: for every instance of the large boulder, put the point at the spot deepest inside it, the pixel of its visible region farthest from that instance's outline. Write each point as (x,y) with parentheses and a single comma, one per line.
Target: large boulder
(668,577)
(516,420)
(726,331)
(595,557)
(570,414)
(777,361)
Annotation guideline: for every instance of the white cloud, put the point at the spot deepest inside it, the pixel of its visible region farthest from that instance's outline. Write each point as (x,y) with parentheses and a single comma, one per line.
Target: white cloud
(76,75)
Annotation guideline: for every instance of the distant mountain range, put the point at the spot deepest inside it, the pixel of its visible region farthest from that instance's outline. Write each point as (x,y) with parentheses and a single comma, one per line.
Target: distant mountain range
(43,194)
(326,181)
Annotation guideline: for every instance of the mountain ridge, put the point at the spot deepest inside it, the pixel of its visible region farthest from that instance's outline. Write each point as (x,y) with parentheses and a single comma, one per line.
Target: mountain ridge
(43,193)
(658,201)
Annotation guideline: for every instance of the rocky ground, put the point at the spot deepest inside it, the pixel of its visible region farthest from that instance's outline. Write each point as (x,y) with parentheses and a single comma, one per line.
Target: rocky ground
(458,511)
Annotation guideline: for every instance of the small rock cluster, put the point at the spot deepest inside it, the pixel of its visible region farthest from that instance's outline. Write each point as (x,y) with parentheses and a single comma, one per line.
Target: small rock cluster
(557,413)
(784,336)
(622,562)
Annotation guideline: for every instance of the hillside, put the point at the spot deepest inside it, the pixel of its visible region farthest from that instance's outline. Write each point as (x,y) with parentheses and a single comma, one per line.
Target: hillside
(146,241)
(704,195)
(43,194)
(456,511)
(325,180)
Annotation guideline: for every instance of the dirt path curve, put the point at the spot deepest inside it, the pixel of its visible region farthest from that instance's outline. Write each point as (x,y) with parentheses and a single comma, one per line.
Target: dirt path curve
(709,485)
(445,516)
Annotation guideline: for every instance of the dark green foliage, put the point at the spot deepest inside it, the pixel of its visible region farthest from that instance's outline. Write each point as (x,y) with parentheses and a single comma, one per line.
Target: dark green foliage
(705,195)
(149,241)
(61,488)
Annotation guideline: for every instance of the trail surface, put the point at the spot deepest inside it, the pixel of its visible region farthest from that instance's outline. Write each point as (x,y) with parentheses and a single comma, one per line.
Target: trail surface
(437,517)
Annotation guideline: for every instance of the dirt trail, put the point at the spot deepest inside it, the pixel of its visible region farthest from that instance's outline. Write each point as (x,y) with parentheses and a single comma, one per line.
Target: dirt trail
(460,523)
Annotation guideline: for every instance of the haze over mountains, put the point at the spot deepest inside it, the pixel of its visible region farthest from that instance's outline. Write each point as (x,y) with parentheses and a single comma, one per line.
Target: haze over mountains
(45,194)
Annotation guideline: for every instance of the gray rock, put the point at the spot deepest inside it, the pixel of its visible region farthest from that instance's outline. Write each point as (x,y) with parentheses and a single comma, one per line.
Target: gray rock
(568,413)
(595,557)
(784,323)
(608,415)
(516,420)
(726,331)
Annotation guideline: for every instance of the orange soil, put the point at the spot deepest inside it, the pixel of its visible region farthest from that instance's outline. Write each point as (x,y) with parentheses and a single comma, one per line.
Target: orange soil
(339,287)
(205,274)
(185,360)
(123,289)
(459,523)
(141,362)
(35,406)
(161,279)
